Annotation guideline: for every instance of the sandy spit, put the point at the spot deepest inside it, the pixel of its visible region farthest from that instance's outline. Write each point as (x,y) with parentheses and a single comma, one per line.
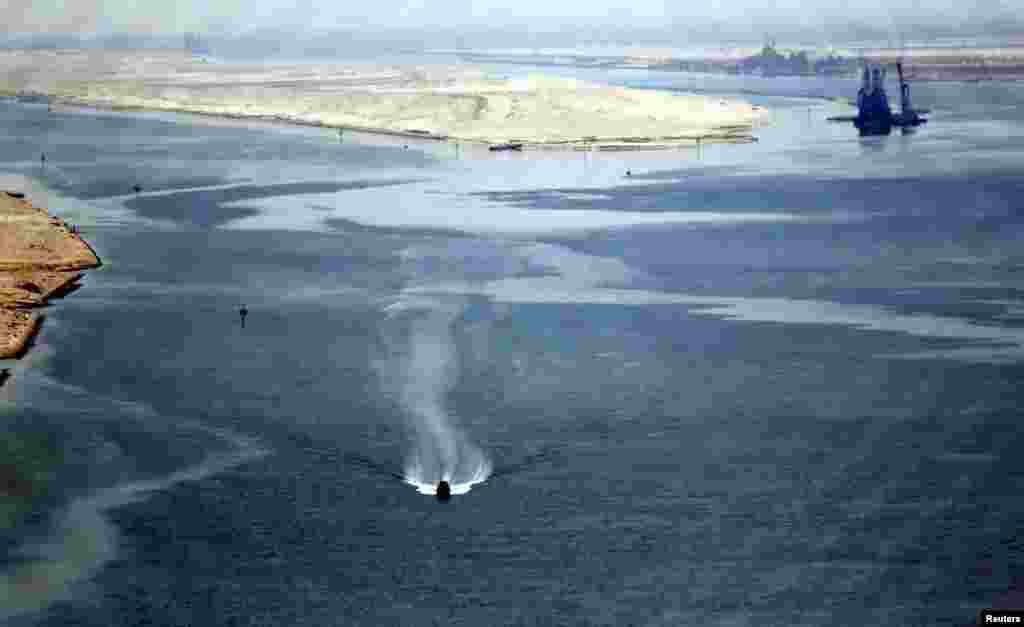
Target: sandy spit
(458,103)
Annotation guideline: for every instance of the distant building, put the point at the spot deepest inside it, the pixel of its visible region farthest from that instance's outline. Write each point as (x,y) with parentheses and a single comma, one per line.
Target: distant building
(771,62)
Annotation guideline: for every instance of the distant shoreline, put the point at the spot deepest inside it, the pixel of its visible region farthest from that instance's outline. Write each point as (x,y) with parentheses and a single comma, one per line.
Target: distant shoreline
(931,64)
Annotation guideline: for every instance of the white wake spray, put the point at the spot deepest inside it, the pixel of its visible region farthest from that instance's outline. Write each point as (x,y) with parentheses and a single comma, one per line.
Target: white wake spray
(423,376)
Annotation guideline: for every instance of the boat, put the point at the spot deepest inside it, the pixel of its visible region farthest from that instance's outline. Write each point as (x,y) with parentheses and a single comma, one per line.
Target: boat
(444,491)
(505,146)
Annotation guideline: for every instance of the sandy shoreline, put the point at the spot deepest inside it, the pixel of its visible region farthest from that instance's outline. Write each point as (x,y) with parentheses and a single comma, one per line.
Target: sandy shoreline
(441,102)
(41,259)
(955,64)
(921,63)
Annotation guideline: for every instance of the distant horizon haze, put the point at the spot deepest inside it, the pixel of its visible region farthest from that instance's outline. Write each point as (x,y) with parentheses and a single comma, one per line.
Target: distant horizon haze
(530,22)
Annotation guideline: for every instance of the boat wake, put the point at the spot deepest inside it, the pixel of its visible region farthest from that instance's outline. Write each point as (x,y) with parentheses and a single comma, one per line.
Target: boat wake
(423,371)
(461,482)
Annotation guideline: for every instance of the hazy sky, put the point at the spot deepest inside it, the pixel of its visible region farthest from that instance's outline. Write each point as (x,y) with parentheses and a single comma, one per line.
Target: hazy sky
(171,16)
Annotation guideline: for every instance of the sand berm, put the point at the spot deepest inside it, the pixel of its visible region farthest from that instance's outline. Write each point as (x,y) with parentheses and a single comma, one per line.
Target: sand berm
(450,102)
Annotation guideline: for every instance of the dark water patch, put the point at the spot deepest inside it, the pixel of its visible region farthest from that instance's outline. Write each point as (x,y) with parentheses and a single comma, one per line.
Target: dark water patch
(955,194)
(149,144)
(205,208)
(373,468)
(279,368)
(953,514)
(226,261)
(196,215)
(30,455)
(808,259)
(94,185)
(816,411)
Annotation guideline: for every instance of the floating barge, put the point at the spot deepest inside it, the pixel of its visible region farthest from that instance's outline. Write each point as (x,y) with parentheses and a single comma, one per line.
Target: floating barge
(874,116)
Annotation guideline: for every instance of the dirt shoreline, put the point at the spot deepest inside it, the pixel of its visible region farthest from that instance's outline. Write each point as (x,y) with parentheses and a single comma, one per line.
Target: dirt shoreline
(41,259)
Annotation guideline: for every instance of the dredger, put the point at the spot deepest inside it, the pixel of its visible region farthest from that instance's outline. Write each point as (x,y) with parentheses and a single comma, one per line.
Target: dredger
(874,116)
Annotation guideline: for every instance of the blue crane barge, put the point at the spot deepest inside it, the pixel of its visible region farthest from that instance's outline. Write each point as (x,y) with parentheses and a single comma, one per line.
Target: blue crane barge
(874,115)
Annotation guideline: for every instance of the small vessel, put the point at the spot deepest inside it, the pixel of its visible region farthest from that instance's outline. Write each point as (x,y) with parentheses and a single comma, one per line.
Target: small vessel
(506,146)
(444,491)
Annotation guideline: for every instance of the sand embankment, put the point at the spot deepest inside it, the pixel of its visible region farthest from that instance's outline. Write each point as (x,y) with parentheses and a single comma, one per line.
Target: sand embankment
(435,101)
(955,63)
(40,258)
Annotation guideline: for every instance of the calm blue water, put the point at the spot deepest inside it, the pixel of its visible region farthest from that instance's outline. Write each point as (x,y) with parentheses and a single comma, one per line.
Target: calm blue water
(775,384)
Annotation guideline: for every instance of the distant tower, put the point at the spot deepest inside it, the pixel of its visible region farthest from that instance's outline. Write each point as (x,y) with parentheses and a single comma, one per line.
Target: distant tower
(865,86)
(905,105)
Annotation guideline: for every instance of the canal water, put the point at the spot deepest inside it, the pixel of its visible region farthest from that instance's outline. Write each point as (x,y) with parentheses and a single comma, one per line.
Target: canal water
(765,384)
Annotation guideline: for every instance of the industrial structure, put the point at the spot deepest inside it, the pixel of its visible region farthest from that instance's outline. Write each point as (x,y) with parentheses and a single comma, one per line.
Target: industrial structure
(874,115)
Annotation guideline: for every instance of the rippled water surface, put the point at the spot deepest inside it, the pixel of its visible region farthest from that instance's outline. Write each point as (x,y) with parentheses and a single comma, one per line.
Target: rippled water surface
(774,384)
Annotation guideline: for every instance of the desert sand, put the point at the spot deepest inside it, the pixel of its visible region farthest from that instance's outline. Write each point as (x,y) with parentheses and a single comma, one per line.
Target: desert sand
(432,101)
(40,258)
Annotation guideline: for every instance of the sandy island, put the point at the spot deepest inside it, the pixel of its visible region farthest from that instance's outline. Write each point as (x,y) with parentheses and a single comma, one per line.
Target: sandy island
(40,258)
(452,102)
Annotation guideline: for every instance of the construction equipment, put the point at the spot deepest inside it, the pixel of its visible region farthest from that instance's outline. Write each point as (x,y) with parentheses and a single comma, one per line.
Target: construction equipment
(874,116)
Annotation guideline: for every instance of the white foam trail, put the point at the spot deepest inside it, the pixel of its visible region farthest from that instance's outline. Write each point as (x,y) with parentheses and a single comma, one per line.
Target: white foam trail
(84,540)
(416,476)
(440,451)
